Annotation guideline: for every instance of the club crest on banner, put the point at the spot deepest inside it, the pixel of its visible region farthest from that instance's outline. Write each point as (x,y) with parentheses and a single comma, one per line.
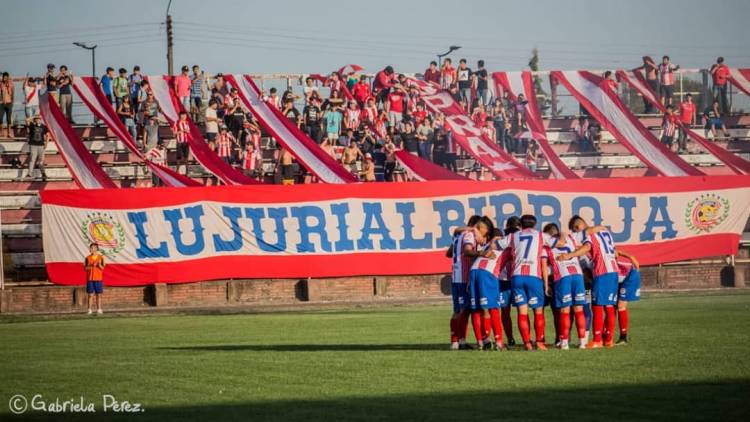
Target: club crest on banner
(102,229)
(706,212)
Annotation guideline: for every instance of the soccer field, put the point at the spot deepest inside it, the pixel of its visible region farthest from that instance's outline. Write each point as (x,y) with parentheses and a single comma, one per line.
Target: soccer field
(687,360)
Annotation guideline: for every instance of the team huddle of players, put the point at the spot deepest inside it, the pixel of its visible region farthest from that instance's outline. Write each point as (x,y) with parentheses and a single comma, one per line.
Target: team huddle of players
(521,266)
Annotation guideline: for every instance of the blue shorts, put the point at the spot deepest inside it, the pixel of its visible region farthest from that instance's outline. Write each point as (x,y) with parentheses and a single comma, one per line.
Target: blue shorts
(94,287)
(483,290)
(604,290)
(505,294)
(569,290)
(630,288)
(528,290)
(458,293)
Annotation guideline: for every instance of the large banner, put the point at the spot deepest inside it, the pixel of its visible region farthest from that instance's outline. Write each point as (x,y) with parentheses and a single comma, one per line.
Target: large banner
(172,235)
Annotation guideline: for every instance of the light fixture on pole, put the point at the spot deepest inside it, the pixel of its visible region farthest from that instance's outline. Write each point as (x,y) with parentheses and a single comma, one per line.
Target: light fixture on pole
(92,48)
(450,50)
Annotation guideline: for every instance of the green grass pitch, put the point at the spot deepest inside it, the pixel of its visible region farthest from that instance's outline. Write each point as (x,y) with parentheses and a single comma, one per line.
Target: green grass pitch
(688,360)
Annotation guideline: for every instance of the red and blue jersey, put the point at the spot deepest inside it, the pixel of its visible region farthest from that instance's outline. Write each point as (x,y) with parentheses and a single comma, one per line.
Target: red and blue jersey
(624,266)
(462,263)
(603,258)
(492,264)
(568,267)
(527,249)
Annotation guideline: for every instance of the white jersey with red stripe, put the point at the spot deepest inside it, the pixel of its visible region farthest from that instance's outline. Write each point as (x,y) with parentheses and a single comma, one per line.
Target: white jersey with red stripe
(527,248)
(603,258)
(624,266)
(568,267)
(461,263)
(492,264)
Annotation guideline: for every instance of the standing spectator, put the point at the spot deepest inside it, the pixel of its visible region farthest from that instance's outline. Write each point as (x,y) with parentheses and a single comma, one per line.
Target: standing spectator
(335,84)
(6,103)
(650,69)
(134,86)
(384,81)
(182,88)
(64,83)
(395,107)
(368,141)
(31,98)
(127,115)
(38,136)
(285,166)
(106,84)
(582,135)
(409,141)
(182,135)
(499,118)
(310,89)
(712,118)
(121,87)
(350,156)
(312,117)
(290,111)
(361,91)
(225,144)
(51,86)
(519,114)
(687,118)
(432,74)
(666,78)
(447,74)
(720,74)
(94,267)
(488,129)
(368,172)
(346,138)
(333,118)
(390,159)
(274,101)
(464,82)
(157,155)
(668,127)
(197,89)
(212,123)
(479,116)
(532,155)
(482,83)
(252,160)
(424,136)
(352,116)
(151,132)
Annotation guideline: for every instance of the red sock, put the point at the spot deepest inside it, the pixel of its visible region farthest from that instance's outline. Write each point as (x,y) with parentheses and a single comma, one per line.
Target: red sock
(497,327)
(581,324)
(507,323)
(611,322)
(539,326)
(487,325)
(556,319)
(623,314)
(598,322)
(454,330)
(564,325)
(462,325)
(523,327)
(476,323)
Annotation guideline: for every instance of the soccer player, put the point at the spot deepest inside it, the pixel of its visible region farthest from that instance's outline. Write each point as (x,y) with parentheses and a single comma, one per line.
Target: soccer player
(94,267)
(483,290)
(529,278)
(568,287)
(512,225)
(463,238)
(598,244)
(630,290)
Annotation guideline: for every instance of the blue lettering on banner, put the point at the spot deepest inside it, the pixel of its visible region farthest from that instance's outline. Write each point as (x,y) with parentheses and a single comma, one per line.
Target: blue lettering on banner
(658,208)
(477,204)
(581,202)
(138,220)
(344,243)
(374,214)
(235,244)
(406,209)
(278,215)
(302,214)
(542,202)
(447,224)
(500,201)
(627,203)
(194,213)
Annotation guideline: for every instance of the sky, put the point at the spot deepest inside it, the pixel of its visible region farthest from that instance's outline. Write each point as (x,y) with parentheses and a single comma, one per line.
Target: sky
(289,36)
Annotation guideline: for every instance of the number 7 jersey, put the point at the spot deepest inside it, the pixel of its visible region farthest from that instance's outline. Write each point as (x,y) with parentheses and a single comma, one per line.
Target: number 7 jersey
(527,250)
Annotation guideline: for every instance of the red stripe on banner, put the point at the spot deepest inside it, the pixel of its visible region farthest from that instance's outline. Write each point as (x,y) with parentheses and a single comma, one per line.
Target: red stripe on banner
(82,165)
(533,118)
(348,265)
(422,169)
(270,194)
(304,149)
(741,79)
(636,81)
(171,107)
(469,136)
(619,121)
(91,95)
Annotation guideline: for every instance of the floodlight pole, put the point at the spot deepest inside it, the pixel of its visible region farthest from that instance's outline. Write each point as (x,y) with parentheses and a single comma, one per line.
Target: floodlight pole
(450,50)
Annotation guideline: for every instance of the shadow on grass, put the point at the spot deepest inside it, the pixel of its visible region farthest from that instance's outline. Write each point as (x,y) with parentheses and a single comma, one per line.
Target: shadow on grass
(719,400)
(308,347)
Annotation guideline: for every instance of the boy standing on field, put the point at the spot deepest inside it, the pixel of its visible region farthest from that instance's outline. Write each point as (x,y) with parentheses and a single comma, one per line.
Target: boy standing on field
(94,267)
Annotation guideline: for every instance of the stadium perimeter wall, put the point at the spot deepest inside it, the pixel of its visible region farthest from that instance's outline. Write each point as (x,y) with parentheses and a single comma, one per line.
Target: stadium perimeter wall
(714,273)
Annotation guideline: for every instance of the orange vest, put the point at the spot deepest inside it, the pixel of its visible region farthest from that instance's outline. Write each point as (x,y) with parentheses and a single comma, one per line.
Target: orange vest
(93,272)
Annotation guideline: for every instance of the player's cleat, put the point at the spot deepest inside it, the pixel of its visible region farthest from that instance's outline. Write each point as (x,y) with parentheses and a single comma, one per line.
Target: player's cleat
(564,345)
(594,345)
(465,346)
(454,345)
(481,347)
(89,312)
(622,341)
(99,311)
(511,342)
(487,345)
(528,346)
(610,343)
(498,347)
(540,346)
(558,343)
